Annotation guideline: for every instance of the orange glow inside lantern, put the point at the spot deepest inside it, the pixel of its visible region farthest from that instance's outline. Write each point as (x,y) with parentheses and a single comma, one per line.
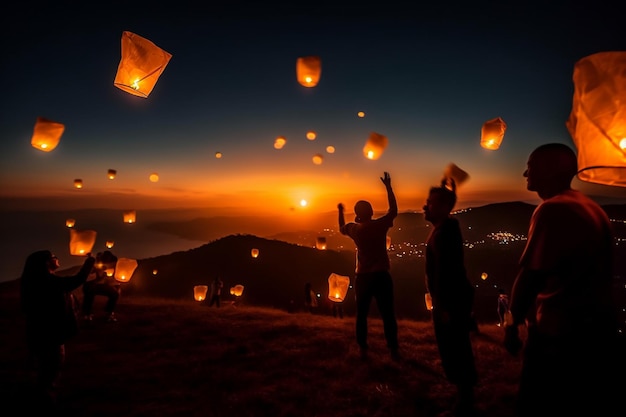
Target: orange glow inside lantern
(237,290)
(78,183)
(109,272)
(130,216)
(111,174)
(81,241)
(428,300)
(457,174)
(483,276)
(154,177)
(124,269)
(70,222)
(218,155)
(255,253)
(109,244)
(309,70)
(141,65)
(361,114)
(492,133)
(199,292)
(320,243)
(338,287)
(597,121)
(310,135)
(155,271)
(375,146)
(388,242)
(279,142)
(46,134)
(318,159)
(330,149)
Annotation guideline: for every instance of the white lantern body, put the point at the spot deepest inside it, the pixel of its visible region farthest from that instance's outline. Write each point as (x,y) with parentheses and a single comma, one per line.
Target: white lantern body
(375,146)
(124,269)
(338,287)
(81,241)
(492,134)
(199,292)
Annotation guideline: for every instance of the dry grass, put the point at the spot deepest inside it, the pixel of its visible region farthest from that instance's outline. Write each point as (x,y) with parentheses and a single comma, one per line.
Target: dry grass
(181,358)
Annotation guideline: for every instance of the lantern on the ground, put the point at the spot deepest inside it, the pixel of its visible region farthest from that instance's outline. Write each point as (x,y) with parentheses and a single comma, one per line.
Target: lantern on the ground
(78,183)
(81,241)
(338,287)
(130,216)
(254,253)
(237,290)
(597,122)
(124,269)
(109,244)
(492,133)
(70,222)
(199,292)
(388,242)
(309,70)
(141,65)
(457,174)
(111,174)
(375,145)
(320,243)
(46,134)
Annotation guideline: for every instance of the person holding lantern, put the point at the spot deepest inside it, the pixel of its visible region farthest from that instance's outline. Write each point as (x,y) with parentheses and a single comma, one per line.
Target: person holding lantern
(101,283)
(572,362)
(373,278)
(452,294)
(49,309)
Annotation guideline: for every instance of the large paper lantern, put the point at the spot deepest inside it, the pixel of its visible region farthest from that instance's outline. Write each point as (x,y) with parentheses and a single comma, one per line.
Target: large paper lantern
(46,134)
(199,292)
(254,253)
(70,222)
(237,290)
(82,241)
(597,122)
(492,133)
(124,269)
(338,287)
(457,174)
(320,243)
(309,70)
(141,65)
(375,146)
(130,216)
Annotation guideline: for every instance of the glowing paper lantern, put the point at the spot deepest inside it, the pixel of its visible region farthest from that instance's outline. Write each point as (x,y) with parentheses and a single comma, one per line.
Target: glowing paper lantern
(109,244)
(318,159)
(429,301)
(330,149)
(199,292)
(81,241)
(109,272)
(155,271)
(237,290)
(597,122)
(154,177)
(255,253)
(320,243)
(78,183)
(218,155)
(46,134)
(309,70)
(130,216)
(279,142)
(492,133)
(70,222)
(338,287)
(124,269)
(388,242)
(361,114)
(375,145)
(111,174)
(141,65)
(483,276)
(457,174)
(310,135)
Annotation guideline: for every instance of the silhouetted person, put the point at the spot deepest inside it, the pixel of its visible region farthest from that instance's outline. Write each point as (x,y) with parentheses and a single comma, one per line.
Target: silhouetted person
(337,309)
(216,292)
(571,360)
(103,285)
(373,279)
(503,306)
(47,303)
(310,298)
(452,295)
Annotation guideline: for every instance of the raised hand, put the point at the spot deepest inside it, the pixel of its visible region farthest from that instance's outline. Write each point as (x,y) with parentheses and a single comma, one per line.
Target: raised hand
(386,179)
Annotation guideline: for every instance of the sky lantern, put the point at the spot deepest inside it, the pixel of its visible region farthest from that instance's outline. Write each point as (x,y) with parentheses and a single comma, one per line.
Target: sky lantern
(237,290)
(111,174)
(484,276)
(320,243)
(78,183)
(492,133)
(318,159)
(70,222)
(311,135)
(457,174)
(124,269)
(309,70)
(361,114)
(330,149)
(109,244)
(154,177)
(428,300)
(155,271)
(130,216)
(141,65)
(338,287)
(81,241)
(46,134)
(375,145)
(388,242)
(199,292)
(218,155)
(109,272)
(280,142)
(597,122)
(254,253)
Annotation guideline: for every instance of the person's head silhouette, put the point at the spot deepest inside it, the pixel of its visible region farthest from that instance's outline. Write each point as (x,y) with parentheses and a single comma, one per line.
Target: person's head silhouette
(363,211)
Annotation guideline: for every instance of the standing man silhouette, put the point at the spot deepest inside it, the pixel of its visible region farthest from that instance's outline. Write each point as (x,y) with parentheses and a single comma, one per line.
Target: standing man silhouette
(373,279)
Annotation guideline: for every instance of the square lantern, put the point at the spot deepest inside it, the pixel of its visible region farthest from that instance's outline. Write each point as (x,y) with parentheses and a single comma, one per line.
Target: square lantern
(109,244)
(597,122)
(338,287)
(141,65)
(199,292)
(254,253)
(46,134)
(375,145)
(130,216)
(309,70)
(492,133)
(124,269)
(320,243)
(81,241)
(237,290)
(111,173)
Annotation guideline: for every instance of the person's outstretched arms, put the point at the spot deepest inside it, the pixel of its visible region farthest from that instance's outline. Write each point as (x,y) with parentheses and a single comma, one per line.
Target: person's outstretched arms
(342,220)
(393,205)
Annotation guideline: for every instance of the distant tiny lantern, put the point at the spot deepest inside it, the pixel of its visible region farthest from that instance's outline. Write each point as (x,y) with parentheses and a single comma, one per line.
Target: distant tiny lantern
(46,134)
(109,272)
(141,65)
(254,253)
(218,155)
(309,70)
(375,145)
(492,133)
(124,269)
(78,183)
(318,159)
(361,114)
(154,177)
(81,241)
(311,135)
(483,276)
(237,290)
(330,149)
(70,222)
(388,242)
(155,271)
(111,174)
(109,244)
(320,243)
(130,216)
(338,287)
(199,292)
(457,174)
(280,142)
(597,122)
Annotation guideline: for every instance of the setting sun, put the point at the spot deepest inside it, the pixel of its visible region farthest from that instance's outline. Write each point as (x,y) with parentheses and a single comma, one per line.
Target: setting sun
(303,203)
